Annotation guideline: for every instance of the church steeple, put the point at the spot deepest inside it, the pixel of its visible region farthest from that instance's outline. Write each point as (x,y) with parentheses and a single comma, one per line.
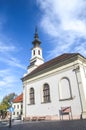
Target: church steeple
(36,33)
(36,58)
(36,41)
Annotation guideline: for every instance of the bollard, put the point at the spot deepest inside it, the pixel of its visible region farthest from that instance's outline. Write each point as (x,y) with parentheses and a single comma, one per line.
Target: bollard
(81,116)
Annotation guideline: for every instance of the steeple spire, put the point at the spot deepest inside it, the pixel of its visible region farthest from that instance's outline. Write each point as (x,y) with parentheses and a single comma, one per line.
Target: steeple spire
(36,58)
(36,41)
(36,32)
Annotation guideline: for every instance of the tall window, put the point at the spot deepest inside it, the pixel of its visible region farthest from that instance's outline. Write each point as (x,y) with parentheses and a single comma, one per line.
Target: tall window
(65,92)
(14,106)
(46,93)
(33,52)
(18,106)
(17,113)
(13,113)
(39,52)
(32,100)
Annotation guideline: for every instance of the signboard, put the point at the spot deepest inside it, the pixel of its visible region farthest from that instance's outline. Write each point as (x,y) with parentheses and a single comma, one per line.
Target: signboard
(11,109)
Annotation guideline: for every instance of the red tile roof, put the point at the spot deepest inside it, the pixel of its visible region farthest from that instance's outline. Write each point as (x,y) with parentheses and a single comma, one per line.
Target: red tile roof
(51,63)
(18,98)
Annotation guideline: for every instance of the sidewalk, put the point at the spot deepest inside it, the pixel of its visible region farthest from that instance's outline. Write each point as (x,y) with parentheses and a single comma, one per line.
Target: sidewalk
(4,122)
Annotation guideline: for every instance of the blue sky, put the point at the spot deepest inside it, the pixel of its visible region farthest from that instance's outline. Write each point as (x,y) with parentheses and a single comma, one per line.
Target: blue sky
(61,27)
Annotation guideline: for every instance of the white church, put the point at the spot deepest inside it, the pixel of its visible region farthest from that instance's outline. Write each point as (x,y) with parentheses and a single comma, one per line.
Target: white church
(55,89)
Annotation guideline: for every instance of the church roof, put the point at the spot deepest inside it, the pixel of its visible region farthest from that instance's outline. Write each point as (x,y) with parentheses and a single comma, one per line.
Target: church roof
(60,61)
(18,99)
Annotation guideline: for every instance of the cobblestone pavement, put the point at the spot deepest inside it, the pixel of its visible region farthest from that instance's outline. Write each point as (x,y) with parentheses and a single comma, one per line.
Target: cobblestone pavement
(48,125)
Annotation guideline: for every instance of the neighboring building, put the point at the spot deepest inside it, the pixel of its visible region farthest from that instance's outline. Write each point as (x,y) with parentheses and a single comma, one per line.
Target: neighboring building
(60,82)
(18,107)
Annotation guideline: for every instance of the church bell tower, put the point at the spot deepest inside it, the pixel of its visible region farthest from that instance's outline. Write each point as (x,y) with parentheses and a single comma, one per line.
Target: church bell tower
(36,58)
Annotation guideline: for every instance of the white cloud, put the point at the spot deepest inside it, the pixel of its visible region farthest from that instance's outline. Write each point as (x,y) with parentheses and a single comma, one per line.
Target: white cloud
(7,78)
(9,82)
(65,13)
(12,62)
(65,20)
(10,67)
(10,71)
(6,48)
(7,52)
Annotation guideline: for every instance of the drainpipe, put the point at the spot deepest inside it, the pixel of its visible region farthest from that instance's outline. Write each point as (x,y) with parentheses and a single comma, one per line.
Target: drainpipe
(77,70)
(25,99)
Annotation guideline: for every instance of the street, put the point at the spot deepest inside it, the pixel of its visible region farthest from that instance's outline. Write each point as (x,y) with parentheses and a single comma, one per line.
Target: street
(47,125)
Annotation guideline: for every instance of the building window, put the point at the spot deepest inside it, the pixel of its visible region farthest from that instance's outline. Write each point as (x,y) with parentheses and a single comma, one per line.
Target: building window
(17,113)
(33,52)
(13,113)
(39,52)
(14,106)
(65,92)
(17,106)
(21,112)
(32,100)
(46,93)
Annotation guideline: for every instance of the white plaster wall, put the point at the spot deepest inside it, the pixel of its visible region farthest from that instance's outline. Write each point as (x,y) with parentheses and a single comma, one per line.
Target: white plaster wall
(16,109)
(83,76)
(36,52)
(24,101)
(53,107)
(83,86)
(39,62)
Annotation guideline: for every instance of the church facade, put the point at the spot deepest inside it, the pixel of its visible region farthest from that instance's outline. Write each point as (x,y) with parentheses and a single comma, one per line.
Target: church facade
(59,83)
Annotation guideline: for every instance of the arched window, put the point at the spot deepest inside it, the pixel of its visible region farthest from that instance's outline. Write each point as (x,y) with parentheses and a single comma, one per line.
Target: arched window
(33,52)
(46,93)
(32,99)
(39,52)
(65,89)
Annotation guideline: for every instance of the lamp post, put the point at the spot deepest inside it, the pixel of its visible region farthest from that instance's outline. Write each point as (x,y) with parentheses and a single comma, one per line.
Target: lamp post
(11,109)
(10,124)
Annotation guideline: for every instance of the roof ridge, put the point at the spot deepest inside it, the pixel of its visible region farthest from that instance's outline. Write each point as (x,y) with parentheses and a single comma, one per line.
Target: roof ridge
(51,63)
(18,98)
(64,54)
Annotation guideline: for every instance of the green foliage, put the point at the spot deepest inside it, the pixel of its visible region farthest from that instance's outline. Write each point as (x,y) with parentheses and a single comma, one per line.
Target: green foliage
(6,102)
(3,107)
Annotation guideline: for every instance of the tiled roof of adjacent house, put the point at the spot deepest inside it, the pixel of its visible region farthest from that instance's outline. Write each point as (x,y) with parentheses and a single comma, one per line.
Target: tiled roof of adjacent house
(18,98)
(51,63)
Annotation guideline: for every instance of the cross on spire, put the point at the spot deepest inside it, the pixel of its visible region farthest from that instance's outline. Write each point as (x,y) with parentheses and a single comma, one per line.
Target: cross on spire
(36,41)
(36,33)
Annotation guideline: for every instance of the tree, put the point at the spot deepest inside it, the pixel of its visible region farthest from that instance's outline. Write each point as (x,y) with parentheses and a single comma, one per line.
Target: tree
(6,102)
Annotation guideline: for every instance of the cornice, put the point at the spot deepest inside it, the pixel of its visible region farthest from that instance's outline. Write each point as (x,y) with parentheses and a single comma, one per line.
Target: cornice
(57,65)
